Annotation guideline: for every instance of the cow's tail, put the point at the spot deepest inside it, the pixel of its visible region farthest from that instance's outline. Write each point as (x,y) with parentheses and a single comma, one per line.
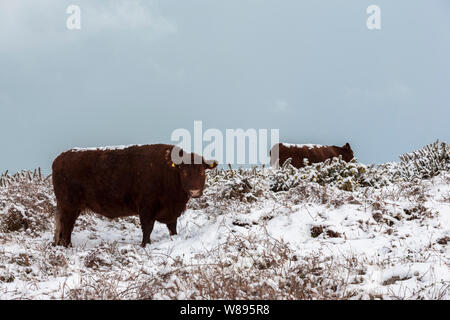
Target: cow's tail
(58,227)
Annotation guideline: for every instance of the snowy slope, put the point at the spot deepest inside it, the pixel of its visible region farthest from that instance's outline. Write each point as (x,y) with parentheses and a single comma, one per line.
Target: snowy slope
(310,242)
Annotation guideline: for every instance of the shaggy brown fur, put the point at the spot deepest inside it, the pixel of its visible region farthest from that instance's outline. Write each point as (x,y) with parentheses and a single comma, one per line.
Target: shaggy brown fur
(138,180)
(314,155)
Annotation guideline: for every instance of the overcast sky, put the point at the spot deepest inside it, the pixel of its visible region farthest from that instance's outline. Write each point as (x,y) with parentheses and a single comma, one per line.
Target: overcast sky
(137,70)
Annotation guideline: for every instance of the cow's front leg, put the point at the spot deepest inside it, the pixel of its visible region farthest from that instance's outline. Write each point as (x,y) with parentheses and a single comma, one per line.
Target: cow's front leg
(147,224)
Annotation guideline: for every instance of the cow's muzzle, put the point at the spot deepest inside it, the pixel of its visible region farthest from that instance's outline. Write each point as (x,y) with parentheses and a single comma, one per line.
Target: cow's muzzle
(195,193)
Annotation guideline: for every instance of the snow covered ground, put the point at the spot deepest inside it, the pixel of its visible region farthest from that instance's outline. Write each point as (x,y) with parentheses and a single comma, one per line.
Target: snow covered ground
(310,242)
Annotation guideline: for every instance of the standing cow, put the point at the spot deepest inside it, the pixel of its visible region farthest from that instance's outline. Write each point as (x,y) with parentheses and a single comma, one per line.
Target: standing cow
(136,180)
(312,152)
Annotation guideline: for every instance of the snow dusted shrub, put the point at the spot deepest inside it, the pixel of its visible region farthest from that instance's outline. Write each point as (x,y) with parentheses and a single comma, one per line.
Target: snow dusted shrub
(284,178)
(335,172)
(425,163)
(237,187)
(6,277)
(345,175)
(14,220)
(249,185)
(26,202)
(242,184)
(421,164)
(251,267)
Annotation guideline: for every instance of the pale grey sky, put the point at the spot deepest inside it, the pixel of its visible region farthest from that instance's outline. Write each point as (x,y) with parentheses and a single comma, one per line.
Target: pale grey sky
(137,70)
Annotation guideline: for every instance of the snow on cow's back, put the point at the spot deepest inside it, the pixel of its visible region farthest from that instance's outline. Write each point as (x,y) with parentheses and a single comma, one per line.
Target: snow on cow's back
(105,148)
(306,145)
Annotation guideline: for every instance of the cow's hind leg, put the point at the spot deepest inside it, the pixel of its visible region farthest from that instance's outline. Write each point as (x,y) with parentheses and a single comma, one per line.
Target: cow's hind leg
(58,233)
(172,228)
(64,223)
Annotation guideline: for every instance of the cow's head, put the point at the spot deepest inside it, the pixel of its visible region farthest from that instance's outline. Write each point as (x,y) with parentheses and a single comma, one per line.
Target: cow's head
(347,152)
(191,169)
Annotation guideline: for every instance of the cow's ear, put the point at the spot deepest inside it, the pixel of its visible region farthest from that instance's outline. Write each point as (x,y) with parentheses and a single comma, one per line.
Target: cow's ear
(347,146)
(210,164)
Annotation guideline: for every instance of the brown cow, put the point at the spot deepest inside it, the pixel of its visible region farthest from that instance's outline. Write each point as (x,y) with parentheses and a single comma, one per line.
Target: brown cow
(136,180)
(314,153)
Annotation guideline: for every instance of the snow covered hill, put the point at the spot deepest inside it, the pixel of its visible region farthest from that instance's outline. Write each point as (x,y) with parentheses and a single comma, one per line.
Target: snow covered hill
(329,231)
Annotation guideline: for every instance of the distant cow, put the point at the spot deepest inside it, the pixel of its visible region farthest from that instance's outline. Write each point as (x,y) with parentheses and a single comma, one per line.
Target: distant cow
(312,152)
(136,180)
